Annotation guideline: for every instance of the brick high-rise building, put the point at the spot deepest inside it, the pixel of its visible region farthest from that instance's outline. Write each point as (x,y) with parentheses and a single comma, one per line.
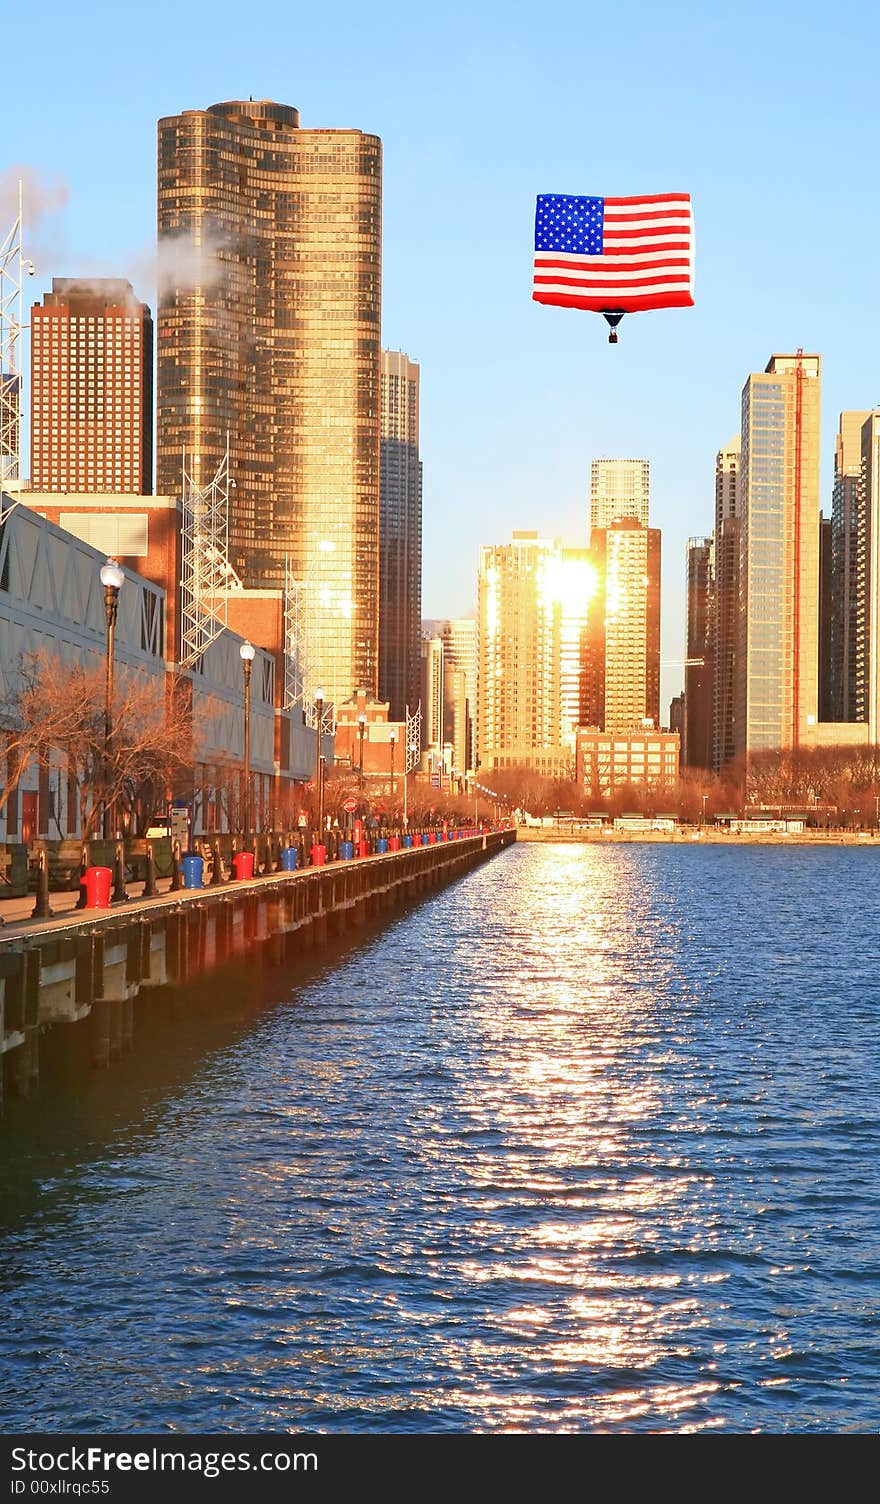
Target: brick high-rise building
(92,389)
(400,535)
(777,669)
(269,333)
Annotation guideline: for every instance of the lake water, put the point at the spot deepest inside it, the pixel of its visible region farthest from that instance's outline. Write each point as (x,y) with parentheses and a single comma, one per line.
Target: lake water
(589,1141)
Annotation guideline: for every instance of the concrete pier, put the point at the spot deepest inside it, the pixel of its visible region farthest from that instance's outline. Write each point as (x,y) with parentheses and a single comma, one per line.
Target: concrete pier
(86,968)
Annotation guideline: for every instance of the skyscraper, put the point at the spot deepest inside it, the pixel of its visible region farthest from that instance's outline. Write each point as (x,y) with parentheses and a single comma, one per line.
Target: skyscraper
(867,644)
(725,612)
(777,660)
(575,585)
(92,389)
(826,590)
(619,488)
(269,334)
(431,690)
(460,660)
(400,535)
(845,603)
(519,683)
(697,738)
(623,679)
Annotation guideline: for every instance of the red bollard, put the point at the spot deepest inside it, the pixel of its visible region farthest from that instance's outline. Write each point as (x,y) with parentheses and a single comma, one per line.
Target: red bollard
(318,855)
(97,883)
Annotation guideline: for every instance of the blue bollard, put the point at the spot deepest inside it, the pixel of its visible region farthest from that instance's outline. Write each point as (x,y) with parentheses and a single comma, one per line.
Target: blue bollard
(406,841)
(289,857)
(346,850)
(192,869)
(381,846)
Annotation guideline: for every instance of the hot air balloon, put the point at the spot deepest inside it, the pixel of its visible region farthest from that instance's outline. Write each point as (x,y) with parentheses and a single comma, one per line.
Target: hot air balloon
(614,255)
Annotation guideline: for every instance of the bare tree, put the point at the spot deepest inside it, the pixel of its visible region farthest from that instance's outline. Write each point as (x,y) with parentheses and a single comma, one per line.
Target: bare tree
(150,751)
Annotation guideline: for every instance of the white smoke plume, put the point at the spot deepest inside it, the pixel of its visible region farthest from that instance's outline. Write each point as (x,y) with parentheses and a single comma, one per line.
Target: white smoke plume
(43,194)
(179,263)
(182,262)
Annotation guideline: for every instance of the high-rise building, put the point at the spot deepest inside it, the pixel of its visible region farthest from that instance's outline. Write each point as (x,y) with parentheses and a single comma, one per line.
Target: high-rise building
(697,738)
(460,688)
(519,682)
(431,691)
(619,488)
(725,609)
(92,389)
(777,660)
(269,338)
(826,589)
(867,644)
(400,535)
(845,602)
(623,677)
(575,586)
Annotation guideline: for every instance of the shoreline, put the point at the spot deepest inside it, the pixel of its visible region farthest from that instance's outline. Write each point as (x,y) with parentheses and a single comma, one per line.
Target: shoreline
(705,837)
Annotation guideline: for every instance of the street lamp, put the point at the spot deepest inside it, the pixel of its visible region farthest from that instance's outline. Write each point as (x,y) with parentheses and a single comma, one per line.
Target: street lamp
(319,760)
(393,740)
(704,797)
(362,726)
(112,579)
(411,752)
(247,653)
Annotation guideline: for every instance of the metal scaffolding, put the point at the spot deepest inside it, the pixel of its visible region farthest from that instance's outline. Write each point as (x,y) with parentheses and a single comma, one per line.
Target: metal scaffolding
(207,575)
(296,687)
(14,267)
(300,680)
(413,738)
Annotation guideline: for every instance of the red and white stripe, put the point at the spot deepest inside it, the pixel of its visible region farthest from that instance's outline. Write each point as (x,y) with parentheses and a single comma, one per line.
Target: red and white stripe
(647,260)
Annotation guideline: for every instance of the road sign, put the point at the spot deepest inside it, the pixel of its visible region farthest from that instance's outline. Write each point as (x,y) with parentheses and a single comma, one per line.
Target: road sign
(350,806)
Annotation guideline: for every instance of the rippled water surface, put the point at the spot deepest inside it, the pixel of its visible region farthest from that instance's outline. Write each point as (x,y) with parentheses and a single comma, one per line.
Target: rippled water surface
(589,1141)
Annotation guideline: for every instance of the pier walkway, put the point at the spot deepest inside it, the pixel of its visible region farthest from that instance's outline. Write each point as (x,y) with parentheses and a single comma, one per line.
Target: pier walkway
(85,967)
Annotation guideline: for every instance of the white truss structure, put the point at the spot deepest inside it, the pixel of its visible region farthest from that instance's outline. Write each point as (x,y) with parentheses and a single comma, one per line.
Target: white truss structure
(207,574)
(13,269)
(413,738)
(296,686)
(328,717)
(300,681)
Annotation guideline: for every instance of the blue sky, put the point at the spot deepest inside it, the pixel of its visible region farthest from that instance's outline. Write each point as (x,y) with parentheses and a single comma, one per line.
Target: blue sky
(765,113)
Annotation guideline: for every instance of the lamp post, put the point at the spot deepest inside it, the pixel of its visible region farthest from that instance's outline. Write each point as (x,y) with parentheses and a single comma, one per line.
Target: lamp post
(393,740)
(112,579)
(247,653)
(409,760)
(319,759)
(704,797)
(362,726)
